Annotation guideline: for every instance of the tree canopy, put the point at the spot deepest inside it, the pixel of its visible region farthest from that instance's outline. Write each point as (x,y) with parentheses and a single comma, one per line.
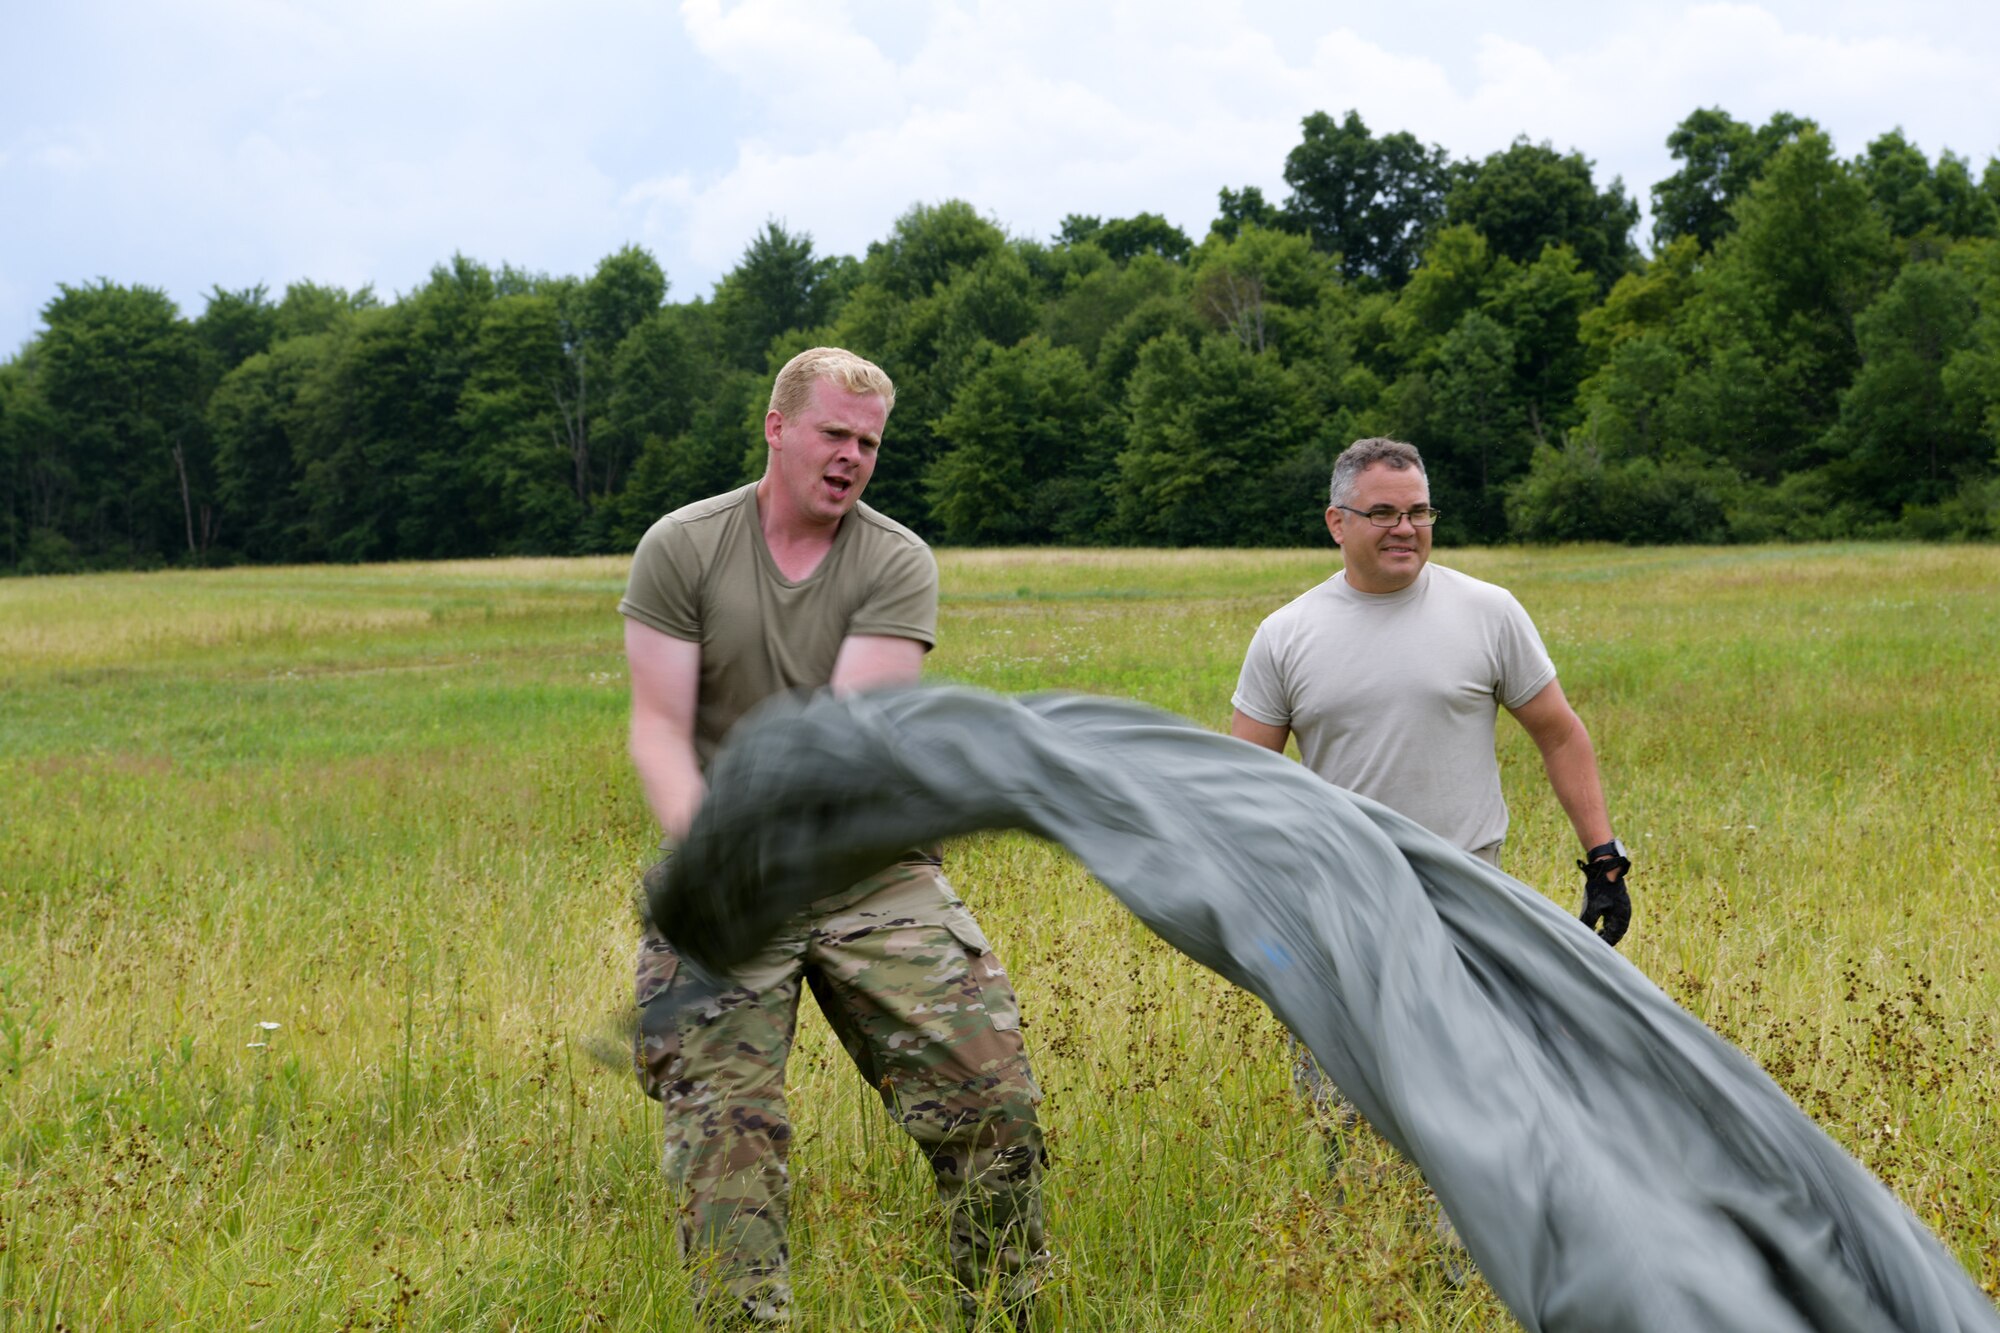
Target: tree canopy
(1812,350)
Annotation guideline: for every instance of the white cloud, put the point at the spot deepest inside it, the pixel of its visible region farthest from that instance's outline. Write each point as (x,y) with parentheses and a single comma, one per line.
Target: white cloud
(803,54)
(348,141)
(1156,108)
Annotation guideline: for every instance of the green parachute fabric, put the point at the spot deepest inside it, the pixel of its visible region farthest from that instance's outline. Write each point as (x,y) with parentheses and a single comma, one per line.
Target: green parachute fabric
(1611,1163)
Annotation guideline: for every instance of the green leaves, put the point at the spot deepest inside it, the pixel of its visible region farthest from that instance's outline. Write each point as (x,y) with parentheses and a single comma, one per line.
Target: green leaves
(1207,431)
(1722,158)
(1530,197)
(121,374)
(778,285)
(1371,201)
(1898,432)
(1021,458)
(1816,339)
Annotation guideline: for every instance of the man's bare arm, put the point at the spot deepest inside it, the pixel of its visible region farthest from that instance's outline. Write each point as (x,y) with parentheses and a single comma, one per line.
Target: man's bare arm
(1570,761)
(666,680)
(1246,728)
(869,660)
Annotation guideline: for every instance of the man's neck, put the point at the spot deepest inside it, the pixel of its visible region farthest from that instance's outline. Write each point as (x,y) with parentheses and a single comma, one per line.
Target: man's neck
(796,544)
(1385,592)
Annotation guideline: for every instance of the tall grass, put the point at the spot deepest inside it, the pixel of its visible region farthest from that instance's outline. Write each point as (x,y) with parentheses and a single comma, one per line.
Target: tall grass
(315,930)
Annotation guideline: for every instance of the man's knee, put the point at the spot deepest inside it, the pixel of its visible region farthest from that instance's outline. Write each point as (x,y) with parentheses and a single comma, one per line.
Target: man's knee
(979,1140)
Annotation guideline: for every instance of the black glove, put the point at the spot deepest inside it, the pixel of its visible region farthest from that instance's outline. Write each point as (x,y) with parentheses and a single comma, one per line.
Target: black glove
(1605,899)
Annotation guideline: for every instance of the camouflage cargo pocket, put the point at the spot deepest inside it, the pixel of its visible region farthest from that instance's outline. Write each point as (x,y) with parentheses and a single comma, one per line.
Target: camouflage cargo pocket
(655,1046)
(994,989)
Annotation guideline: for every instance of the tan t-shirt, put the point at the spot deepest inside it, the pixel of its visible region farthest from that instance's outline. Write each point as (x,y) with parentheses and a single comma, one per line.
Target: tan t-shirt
(704,574)
(1395,695)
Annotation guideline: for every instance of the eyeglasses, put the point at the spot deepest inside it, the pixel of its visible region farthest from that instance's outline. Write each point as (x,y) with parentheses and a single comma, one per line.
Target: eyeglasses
(1382,516)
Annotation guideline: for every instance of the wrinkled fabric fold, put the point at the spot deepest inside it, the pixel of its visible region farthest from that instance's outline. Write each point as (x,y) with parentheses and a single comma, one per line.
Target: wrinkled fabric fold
(1610,1163)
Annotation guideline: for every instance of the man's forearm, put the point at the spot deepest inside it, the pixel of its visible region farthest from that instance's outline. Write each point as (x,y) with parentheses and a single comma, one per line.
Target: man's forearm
(1572,768)
(671,777)
(666,674)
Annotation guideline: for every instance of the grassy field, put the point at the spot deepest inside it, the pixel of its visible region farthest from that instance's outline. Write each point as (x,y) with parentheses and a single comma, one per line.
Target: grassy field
(315,931)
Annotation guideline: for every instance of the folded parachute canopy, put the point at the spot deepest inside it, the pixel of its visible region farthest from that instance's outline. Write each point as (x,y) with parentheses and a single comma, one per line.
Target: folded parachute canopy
(1611,1164)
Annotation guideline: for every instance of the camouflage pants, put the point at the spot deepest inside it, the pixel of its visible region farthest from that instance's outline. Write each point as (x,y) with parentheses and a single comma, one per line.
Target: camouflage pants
(910,986)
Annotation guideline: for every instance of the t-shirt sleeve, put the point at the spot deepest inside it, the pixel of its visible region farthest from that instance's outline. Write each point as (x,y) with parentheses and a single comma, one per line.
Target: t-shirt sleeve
(663,591)
(1260,689)
(902,602)
(1525,667)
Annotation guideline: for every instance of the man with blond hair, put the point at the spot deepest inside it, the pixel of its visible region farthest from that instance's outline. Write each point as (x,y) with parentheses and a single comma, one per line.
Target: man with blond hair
(793,583)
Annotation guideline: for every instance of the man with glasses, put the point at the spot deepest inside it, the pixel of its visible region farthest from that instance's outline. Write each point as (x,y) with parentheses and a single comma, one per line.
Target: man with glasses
(1392,672)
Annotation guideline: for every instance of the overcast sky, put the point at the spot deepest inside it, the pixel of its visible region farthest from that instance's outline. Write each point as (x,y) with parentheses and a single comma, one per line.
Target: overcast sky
(190,143)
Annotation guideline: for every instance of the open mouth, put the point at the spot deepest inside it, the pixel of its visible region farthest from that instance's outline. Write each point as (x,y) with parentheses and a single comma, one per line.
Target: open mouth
(840,486)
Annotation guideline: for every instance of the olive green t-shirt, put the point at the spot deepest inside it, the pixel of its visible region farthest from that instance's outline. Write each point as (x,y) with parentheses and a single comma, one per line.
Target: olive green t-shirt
(704,574)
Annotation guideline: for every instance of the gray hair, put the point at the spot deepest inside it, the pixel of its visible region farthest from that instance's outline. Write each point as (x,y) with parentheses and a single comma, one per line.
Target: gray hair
(793,388)
(1357,457)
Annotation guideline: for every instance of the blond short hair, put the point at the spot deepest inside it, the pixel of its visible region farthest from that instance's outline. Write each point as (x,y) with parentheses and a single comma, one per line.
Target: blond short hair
(793,387)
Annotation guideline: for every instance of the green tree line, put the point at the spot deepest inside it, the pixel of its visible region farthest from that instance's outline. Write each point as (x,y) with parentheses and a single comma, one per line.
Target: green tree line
(1810,349)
